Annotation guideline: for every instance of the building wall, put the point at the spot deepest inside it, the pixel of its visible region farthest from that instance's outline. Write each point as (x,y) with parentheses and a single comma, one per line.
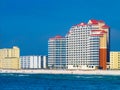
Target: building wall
(103,59)
(9,58)
(114,60)
(103,51)
(10,63)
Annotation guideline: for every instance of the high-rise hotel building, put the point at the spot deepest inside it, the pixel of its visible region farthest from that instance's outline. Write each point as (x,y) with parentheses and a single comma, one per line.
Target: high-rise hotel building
(87,46)
(57,52)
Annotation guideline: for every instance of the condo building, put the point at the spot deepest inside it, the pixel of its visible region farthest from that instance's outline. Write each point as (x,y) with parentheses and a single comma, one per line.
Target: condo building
(88,45)
(33,62)
(115,60)
(57,53)
(9,58)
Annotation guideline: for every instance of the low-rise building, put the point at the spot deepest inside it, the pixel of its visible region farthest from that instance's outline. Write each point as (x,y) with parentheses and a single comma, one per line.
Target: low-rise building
(9,58)
(33,62)
(114,60)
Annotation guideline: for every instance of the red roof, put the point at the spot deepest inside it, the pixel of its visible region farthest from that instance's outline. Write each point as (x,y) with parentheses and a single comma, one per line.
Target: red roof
(94,21)
(101,21)
(105,26)
(103,31)
(51,38)
(81,24)
(56,37)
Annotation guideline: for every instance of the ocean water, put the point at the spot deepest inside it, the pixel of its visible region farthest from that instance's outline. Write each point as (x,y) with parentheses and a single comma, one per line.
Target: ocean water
(58,82)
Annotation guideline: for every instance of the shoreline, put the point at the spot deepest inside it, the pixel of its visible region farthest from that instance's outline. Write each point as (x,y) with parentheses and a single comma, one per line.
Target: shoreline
(72,72)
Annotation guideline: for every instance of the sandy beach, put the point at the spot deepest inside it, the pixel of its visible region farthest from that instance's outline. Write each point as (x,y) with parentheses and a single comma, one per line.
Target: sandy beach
(80,72)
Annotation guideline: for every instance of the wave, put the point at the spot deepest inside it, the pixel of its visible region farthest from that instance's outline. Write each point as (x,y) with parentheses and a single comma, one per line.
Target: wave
(23,75)
(14,75)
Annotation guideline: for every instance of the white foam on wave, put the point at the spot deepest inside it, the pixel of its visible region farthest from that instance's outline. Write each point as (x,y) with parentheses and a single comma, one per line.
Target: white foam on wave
(7,74)
(22,75)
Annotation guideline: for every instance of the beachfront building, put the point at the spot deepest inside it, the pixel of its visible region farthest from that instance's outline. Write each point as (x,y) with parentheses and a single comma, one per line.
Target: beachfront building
(85,46)
(33,62)
(88,45)
(114,60)
(9,58)
(44,62)
(57,53)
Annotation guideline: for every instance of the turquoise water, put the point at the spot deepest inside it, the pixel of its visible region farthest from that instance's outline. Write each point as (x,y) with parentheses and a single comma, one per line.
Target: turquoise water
(58,82)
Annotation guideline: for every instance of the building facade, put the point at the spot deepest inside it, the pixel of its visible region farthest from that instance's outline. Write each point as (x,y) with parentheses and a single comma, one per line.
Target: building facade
(33,62)
(45,62)
(88,45)
(114,60)
(9,58)
(57,53)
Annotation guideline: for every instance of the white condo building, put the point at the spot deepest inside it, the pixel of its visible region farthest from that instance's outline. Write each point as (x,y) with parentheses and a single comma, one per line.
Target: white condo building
(86,45)
(82,53)
(33,62)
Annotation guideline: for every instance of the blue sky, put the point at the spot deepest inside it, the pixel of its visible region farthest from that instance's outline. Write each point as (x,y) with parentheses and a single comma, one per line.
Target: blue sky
(29,23)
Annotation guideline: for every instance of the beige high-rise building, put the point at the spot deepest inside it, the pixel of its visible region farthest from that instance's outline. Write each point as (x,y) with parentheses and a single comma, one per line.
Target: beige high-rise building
(9,58)
(114,60)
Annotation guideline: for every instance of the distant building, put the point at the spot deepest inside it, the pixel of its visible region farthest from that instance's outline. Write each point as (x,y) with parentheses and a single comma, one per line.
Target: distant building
(33,62)
(57,53)
(9,58)
(114,60)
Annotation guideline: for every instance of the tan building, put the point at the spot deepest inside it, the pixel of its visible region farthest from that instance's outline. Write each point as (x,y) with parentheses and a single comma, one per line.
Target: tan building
(9,58)
(114,60)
